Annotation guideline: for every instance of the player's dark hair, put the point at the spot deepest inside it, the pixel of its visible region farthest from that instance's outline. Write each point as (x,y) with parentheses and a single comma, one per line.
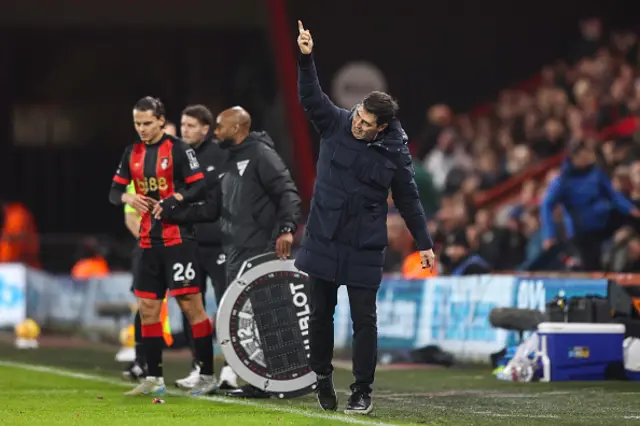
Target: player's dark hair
(200,113)
(382,105)
(152,104)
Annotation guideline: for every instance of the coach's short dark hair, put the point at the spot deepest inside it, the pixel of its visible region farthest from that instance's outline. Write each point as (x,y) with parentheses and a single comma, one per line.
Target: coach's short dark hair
(382,105)
(200,113)
(149,103)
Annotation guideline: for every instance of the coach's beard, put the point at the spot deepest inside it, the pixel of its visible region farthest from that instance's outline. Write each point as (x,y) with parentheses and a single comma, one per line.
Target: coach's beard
(226,143)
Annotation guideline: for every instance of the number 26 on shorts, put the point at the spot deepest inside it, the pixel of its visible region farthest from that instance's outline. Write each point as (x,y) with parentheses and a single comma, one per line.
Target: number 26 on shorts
(183,273)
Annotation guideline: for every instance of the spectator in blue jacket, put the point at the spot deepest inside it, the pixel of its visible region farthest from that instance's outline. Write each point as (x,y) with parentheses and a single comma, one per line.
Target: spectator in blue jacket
(595,208)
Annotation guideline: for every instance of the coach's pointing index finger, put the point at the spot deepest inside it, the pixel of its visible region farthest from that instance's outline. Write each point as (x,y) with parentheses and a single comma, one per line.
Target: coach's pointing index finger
(300,27)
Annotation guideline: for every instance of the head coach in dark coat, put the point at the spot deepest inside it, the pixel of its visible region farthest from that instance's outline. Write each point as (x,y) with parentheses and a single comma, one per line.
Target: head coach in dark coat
(363,155)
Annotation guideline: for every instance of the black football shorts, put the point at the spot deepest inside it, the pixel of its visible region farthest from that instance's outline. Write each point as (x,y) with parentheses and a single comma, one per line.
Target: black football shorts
(173,268)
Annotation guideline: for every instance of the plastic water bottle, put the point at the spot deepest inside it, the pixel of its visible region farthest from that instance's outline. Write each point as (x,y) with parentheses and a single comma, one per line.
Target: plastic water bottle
(523,372)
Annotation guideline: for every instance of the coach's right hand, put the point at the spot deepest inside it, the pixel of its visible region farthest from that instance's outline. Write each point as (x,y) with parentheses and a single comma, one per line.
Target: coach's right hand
(305,41)
(428,259)
(139,202)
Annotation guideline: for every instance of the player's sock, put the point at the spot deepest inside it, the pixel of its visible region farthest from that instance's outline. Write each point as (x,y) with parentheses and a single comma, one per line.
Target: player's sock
(153,343)
(203,342)
(139,348)
(188,334)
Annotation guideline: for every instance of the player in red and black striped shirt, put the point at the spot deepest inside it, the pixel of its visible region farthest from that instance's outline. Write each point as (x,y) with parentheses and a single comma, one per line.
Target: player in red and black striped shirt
(165,171)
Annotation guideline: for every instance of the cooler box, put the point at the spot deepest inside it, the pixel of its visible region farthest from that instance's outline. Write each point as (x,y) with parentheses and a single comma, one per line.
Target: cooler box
(579,351)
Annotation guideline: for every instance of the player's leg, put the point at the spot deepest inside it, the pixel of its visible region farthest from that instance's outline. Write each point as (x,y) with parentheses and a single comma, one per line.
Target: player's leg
(150,288)
(217,269)
(362,302)
(137,327)
(323,297)
(137,369)
(192,378)
(152,333)
(204,261)
(202,328)
(185,284)
(186,326)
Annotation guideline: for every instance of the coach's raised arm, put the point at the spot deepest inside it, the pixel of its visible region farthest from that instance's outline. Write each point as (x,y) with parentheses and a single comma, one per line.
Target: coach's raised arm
(317,105)
(363,155)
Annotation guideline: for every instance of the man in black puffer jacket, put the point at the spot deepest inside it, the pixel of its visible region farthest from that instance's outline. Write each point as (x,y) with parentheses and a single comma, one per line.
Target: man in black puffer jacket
(363,156)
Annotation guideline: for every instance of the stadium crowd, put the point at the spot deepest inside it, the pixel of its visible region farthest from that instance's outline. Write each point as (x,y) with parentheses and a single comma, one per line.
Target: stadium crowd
(590,100)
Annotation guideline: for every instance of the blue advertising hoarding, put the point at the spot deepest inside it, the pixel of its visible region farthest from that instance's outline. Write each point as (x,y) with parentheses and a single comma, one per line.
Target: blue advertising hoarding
(451,312)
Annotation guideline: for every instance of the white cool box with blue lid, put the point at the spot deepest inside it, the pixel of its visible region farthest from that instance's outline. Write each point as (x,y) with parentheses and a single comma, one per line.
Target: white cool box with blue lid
(579,351)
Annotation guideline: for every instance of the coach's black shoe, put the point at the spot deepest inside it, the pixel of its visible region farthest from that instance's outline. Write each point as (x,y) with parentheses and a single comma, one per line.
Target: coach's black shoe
(359,403)
(248,391)
(327,393)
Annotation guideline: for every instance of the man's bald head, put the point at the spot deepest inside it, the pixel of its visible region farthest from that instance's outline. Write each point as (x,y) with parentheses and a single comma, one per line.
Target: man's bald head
(236,116)
(240,115)
(232,126)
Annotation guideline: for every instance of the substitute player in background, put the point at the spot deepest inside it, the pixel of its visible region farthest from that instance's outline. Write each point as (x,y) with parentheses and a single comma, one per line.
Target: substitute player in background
(165,172)
(196,125)
(170,129)
(137,369)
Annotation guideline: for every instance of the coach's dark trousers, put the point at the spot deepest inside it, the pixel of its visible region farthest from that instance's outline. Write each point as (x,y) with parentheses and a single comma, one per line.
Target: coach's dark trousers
(362,302)
(236,256)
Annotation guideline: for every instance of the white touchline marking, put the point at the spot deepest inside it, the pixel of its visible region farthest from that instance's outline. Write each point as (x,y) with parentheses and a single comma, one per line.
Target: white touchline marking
(48,391)
(529,416)
(222,400)
(271,407)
